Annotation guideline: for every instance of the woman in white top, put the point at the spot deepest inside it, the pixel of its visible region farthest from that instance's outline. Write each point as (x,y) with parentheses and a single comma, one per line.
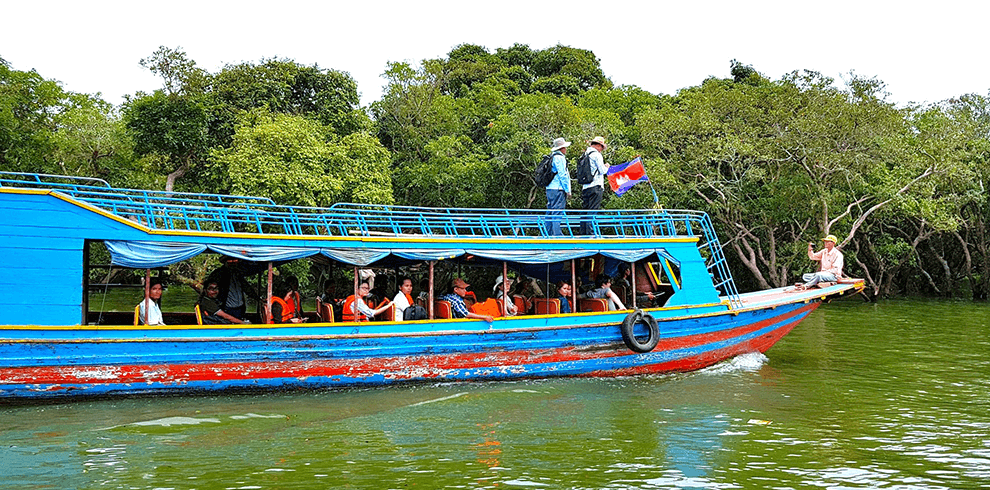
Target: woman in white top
(149,307)
(403,299)
(502,285)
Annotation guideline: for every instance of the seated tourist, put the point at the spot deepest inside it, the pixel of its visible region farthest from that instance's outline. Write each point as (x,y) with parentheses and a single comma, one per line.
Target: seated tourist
(209,307)
(355,309)
(293,298)
(403,299)
(564,295)
(603,290)
(498,292)
(283,305)
(150,308)
(456,299)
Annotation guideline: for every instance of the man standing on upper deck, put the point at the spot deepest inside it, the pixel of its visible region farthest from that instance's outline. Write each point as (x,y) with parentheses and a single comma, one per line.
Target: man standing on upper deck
(591,194)
(559,189)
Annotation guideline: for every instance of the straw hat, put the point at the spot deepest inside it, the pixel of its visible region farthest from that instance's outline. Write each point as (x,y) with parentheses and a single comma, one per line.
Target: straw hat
(599,140)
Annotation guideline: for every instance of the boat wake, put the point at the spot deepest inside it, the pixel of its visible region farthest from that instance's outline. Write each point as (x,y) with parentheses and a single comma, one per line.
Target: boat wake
(744,363)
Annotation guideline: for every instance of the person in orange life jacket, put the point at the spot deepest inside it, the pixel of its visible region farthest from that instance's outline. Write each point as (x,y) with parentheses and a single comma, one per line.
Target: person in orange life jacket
(292,299)
(403,299)
(283,310)
(211,309)
(355,309)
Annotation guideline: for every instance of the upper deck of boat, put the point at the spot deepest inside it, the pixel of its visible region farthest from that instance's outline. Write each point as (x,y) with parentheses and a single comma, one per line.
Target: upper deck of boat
(209,216)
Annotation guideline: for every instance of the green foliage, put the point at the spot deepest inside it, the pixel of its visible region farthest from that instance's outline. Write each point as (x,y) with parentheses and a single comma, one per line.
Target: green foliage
(29,109)
(297,161)
(284,86)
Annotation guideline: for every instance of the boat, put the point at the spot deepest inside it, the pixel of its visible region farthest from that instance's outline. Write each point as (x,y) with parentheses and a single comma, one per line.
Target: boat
(53,346)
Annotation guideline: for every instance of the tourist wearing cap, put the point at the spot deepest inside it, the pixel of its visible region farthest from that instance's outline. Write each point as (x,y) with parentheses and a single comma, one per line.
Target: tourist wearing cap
(591,194)
(456,300)
(830,267)
(559,189)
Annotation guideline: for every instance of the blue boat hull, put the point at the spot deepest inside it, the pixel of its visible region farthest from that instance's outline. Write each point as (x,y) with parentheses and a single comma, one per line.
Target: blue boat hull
(72,361)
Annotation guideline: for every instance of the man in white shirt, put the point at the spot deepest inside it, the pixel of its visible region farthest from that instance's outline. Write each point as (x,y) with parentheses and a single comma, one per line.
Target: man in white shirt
(591,194)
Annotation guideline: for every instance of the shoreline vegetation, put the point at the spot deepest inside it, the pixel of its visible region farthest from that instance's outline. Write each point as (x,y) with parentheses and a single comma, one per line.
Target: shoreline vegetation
(775,162)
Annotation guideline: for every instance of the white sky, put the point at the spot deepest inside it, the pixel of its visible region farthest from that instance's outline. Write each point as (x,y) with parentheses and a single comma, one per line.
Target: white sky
(924,51)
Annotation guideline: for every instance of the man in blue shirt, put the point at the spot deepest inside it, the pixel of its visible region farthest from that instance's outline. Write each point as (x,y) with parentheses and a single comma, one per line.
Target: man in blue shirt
(559,188)
(456,300)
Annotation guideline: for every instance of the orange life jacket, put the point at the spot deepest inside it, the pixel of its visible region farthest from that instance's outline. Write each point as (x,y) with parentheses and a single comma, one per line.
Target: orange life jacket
(489,307)
(348,314)
(287,312)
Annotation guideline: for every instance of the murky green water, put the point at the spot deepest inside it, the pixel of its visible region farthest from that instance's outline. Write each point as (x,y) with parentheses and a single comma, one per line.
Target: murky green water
(895,395)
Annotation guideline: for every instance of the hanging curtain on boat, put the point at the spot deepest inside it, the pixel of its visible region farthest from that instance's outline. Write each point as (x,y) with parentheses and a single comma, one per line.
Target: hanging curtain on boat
(146,255)
(255,253)
(360,257)
(634,255)
(423,254)
(544,256)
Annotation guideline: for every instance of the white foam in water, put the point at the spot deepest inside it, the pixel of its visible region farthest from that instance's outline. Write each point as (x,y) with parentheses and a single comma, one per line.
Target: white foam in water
(170,421)
(438,399)
(748,362)
(256,416)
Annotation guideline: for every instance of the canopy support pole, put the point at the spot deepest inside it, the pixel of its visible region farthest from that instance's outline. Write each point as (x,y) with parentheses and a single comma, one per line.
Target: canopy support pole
(147,294)
(505,289)
(429,300)
(268,297)
(633,285)
(574,308)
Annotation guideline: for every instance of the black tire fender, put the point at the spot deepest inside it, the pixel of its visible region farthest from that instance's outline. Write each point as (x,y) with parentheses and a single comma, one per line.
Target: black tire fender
(629,326)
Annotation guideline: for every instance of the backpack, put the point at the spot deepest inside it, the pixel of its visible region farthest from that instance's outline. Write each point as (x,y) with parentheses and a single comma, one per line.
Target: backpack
(414,312)
(544,171)
(584,173)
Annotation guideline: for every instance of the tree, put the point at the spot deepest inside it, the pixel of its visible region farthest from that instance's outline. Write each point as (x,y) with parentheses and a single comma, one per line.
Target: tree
(179,73)
(284,86)
(172,126)
(29,109)
(92,140)
(297,161)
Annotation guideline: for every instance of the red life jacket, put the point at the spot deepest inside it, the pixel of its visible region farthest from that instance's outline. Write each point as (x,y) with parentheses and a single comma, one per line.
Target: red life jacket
(287,311)
(348,314)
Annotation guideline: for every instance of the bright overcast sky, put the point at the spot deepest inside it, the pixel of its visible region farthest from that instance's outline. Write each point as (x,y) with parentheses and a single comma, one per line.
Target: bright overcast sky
(924,51)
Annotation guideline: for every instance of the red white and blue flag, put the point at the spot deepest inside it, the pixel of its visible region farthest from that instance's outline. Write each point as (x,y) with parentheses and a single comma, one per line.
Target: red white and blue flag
(622,177)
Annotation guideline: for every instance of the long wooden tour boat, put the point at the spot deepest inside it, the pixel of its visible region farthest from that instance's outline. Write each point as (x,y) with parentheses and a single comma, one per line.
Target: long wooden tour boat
(53,345)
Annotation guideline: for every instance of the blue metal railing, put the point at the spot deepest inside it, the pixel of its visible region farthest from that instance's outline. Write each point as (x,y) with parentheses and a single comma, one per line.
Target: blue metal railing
(162,210)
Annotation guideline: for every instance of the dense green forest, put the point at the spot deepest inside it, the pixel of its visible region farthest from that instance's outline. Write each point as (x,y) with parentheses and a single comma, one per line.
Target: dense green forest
(775,163)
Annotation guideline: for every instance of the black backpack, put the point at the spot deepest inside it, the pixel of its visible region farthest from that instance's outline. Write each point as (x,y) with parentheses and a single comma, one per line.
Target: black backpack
(544,171)
(584,173)
(414,312)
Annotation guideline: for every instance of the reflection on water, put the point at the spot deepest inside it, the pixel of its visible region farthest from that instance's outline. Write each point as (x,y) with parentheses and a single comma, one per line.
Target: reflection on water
(859,396)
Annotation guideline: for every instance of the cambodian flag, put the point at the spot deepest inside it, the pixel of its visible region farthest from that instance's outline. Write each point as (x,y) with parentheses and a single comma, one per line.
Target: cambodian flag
(623,177)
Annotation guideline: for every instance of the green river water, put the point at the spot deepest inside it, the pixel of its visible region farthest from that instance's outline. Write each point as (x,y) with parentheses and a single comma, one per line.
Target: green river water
(894,395)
